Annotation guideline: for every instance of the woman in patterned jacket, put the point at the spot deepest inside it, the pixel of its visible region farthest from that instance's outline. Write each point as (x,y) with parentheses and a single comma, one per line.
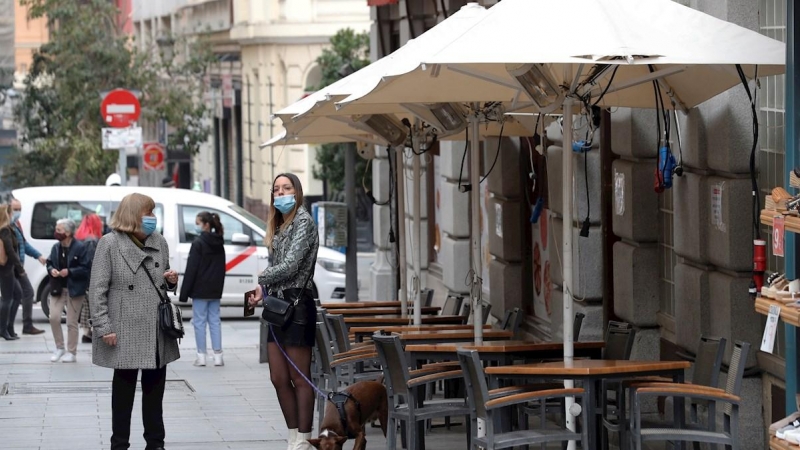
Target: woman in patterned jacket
(124,305)
(292,236)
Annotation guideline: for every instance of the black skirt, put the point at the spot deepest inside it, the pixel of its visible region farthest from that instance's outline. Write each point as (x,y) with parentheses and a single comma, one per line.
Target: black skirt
(301,330)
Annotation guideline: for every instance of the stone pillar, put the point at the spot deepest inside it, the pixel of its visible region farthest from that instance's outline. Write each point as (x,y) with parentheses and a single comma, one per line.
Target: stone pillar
(454,255)
(382,272)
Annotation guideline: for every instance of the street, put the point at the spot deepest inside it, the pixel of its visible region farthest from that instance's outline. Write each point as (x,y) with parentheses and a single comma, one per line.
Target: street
(57,406)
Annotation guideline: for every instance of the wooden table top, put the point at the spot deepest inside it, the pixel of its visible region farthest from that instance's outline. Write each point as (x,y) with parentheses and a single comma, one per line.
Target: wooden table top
(404,328)
(381,311)
(444,335)
(500,346)
(384,320)
(363,304)
(587,367)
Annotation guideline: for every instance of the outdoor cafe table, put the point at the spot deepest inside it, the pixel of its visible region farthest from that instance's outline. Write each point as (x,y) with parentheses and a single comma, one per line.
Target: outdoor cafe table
(593,372)
(381,311)
(389,321)
(500,352)
(363,304)
(359,333)
(422,337)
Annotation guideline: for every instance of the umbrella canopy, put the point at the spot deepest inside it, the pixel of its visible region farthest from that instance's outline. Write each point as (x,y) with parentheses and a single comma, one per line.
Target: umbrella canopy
(693,53)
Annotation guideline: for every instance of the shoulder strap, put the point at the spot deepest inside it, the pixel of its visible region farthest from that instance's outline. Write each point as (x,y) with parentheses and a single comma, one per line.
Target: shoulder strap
(160,295)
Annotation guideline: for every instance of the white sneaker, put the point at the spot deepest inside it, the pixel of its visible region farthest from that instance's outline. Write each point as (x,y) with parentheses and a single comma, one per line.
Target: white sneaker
(57,355)
(302,442)
(792,436)
(201,360)
(218,359)
(781,434)
(69,358)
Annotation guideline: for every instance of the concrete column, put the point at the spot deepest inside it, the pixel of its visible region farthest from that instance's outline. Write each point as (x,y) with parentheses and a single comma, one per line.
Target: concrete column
(382,272)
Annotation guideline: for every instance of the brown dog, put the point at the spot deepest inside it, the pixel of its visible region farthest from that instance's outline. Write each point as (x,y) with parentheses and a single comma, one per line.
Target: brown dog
(363,402)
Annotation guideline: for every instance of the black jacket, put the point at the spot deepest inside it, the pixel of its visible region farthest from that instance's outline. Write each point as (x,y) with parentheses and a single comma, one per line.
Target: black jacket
(78,267)
(205,269)
(11,245)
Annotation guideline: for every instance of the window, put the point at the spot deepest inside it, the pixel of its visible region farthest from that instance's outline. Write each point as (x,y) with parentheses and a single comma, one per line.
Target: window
(230,224)
(46,214)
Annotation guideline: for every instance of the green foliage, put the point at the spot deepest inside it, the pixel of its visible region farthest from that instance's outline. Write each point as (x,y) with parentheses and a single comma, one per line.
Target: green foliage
(59,111)
(349,52)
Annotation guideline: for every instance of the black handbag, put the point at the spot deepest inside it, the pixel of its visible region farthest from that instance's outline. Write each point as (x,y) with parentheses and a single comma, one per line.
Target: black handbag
(280,311)
(170,319)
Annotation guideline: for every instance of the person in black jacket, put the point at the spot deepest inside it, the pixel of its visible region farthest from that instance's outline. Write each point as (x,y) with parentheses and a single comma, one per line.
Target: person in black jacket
(203,282)
(68,267)
(10,269)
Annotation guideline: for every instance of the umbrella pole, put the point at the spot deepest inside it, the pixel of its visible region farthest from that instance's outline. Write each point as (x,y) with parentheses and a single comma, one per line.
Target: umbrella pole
(475,231)
(416,247)
(566,252)
(400,198)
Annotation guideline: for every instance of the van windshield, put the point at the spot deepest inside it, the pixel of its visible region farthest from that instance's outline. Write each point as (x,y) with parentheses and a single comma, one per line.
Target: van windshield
(254,219)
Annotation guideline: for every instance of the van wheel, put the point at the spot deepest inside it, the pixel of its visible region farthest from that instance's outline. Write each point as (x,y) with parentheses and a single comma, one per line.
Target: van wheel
(41,297)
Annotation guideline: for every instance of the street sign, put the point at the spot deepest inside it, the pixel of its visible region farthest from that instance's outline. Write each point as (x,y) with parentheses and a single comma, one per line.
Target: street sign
(121,138)
(120,108)
(153,156)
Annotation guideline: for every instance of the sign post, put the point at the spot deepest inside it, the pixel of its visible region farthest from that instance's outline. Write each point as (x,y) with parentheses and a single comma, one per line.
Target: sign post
(120,108)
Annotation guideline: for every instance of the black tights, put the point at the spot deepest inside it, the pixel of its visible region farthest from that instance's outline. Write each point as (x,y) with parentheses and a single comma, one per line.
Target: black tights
(295,395)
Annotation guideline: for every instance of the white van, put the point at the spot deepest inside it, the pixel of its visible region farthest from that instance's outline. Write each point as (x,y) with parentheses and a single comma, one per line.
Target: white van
(176,210)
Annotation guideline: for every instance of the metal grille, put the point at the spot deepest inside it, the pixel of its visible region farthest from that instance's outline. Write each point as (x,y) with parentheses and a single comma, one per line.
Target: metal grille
(80,387)
(771,118)
(666,253)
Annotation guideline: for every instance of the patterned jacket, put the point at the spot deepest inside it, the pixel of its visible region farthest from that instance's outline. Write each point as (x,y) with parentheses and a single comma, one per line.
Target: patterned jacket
(124,301)
(294,254)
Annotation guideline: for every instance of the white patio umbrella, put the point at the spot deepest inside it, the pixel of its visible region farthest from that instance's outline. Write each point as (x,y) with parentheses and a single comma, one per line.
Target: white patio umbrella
(546,53)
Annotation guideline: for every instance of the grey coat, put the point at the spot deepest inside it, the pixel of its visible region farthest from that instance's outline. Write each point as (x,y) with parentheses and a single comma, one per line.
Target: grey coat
(124,301)
(294,253)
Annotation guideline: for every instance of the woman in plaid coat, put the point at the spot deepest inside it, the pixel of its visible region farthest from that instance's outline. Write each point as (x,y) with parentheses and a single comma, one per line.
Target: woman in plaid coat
(124,306)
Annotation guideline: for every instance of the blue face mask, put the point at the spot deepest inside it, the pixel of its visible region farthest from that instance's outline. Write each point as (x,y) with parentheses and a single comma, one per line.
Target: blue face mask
(198,229)
(285,203)
(15,216)
(149,225)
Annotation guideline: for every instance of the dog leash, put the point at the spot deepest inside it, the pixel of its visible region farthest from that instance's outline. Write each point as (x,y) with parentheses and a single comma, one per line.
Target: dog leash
(338,399)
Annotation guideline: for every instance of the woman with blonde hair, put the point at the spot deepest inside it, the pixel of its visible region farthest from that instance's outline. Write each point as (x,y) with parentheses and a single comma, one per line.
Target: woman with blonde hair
(130,273)
(292,236)
(10,269)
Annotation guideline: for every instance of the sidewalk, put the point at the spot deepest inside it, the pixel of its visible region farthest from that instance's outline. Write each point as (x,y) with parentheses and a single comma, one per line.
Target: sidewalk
(57,406)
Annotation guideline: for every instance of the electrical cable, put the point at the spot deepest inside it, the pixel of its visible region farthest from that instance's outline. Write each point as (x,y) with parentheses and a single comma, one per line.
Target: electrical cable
(753,180)
(499,141)
(610,80)
(463,158)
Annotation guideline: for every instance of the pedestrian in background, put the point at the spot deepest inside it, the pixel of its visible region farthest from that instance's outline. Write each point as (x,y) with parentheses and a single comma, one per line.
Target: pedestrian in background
(23,291)
(292,236)
(10,269)
(89,232)
(203,281)
(130,265)
(68,267)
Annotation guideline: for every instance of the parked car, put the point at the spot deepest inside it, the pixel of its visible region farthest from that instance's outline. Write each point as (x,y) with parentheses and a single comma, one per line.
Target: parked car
(176,210)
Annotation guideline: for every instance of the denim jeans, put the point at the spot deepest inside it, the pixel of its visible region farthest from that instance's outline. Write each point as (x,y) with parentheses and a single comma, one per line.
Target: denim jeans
(206,312)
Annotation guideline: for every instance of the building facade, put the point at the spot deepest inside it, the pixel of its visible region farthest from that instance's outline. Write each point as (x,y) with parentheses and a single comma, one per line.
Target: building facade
(675,265)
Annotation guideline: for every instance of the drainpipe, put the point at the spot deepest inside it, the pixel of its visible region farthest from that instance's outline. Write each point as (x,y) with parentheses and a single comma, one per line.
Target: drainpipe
(791,241)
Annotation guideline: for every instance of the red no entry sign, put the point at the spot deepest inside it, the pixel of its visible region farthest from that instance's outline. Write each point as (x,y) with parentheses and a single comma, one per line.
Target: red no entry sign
(120,108)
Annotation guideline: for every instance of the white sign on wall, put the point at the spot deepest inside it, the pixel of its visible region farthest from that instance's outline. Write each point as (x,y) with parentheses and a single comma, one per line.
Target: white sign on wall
(717,190)
(619,193)
(118,138)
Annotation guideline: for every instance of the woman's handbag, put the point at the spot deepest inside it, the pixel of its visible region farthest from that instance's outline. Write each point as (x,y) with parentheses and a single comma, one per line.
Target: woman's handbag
(170,319)
(280,311)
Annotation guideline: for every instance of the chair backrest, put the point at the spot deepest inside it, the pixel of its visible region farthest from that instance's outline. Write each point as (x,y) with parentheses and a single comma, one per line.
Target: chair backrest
(452,305)
(338,329)
(486,308)
(324,350)
(619,340)
(426,296)
(708,361)
(395,366)
(577,323)
(512,321)
(736,371)
(475,381)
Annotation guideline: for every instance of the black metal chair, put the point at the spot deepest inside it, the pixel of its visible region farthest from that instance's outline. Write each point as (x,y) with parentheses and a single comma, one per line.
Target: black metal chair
(577,323)
(403,387)
(485,404)
(512,321)
(707,364)
(452,305)
(728,398)
(426,296)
